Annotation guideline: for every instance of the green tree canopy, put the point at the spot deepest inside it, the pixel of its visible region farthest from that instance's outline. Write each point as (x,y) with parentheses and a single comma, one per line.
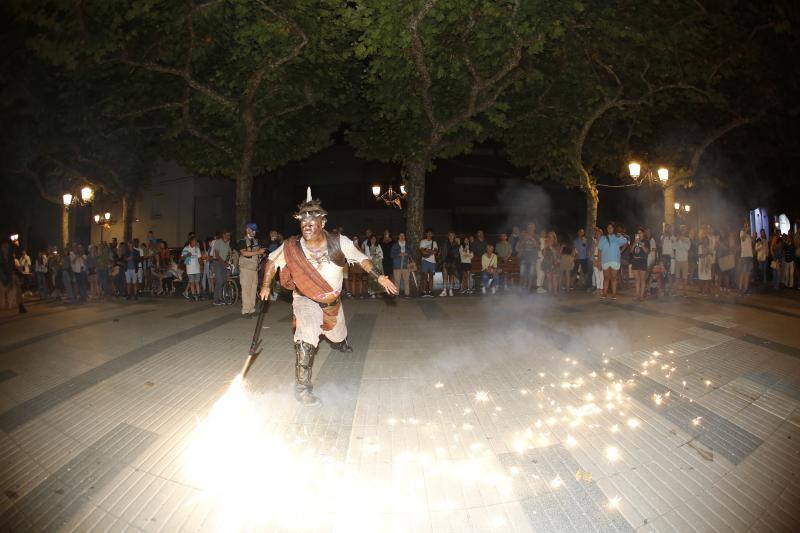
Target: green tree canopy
(243,86)
(437,74)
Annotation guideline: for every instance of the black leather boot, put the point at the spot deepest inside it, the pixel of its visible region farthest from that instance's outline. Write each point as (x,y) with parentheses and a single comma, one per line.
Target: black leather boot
(342,346)
(304,362)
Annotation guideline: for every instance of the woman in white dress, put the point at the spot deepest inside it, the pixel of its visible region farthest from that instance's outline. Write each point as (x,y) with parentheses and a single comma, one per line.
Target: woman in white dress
(705,263)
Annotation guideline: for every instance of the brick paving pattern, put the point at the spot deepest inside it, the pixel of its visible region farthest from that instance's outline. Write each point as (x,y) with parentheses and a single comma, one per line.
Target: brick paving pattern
(499,413)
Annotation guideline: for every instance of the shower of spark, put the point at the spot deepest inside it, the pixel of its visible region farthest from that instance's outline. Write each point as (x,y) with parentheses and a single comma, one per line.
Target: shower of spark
(251,474)
(249,464)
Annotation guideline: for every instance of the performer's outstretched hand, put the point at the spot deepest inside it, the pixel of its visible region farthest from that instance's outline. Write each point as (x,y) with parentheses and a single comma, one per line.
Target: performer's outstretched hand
(264,292)
(387,284)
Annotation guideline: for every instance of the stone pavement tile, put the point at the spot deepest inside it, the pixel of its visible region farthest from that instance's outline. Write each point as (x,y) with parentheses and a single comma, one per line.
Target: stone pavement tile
(757,421)
(558,501)
(65,329)
(777,403)
(46,445)
(176,507)
(18,476)
(45,401)
(723,402)
(432,310)
(67,491)
(713,336)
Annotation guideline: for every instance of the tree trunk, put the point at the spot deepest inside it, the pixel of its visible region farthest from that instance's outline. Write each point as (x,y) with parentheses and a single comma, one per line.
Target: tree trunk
(128,210)
(415,207)
(592,196)
(244,178)
(64,226)
(669,204)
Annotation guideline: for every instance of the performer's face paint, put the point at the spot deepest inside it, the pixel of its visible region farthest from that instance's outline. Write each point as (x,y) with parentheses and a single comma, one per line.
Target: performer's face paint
(311,226)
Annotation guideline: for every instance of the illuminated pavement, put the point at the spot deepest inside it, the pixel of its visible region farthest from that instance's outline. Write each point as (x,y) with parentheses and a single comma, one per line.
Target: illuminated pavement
(453,414)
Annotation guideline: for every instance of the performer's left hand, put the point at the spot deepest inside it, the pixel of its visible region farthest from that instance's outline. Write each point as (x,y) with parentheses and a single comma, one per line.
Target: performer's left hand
(387,284)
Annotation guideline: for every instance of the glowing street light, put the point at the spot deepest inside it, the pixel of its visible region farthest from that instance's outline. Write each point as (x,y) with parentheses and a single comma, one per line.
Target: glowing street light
(67,198)
(86,194)
(635,169)
(677,206)
(15,239)
(104,221)
(687,208)
(663,175)
(390,197)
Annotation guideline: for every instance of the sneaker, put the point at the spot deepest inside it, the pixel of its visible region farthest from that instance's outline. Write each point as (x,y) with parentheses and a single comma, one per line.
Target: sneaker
(217,302)
(444,293)
(483,290)
(450,292)
(494,290)
(186,295)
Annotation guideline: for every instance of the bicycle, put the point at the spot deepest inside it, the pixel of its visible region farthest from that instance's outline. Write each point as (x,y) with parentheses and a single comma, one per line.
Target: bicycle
(231,289)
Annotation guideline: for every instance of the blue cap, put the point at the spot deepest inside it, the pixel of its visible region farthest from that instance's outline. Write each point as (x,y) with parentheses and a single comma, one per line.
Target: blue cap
(251,225)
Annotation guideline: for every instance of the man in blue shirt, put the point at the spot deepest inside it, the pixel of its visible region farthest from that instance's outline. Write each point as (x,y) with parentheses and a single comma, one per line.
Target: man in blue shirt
(610,246)
(131,258)
(582,258)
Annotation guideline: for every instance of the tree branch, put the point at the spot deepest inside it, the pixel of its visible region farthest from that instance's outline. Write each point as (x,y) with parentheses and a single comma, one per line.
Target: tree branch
(254,82)
(737,50)
(145,110)
(188,127)
(697,153)
(184,74)
(418,54)
(309,100)
(37,182)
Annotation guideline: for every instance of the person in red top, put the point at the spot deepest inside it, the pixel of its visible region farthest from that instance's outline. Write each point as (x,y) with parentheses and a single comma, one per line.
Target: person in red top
(311,267)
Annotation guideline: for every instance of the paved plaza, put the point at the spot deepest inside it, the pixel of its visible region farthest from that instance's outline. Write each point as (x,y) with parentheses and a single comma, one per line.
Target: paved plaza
(452,415)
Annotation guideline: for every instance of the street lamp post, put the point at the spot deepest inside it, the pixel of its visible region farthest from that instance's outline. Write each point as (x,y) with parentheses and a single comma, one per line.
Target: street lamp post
(661,175)
(638,176)
(103,221)
(390,197)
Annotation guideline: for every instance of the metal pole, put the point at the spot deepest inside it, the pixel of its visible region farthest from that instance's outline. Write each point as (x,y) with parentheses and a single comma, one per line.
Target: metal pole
(255,345)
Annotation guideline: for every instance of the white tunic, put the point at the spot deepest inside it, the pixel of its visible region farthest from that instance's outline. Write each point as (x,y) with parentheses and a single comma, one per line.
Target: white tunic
(329,271)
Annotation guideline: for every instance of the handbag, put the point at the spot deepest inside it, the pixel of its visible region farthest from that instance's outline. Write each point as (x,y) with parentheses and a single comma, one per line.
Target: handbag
(726,262)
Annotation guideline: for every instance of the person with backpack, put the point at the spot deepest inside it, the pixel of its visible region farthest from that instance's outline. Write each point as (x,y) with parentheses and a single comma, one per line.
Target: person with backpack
(250,253)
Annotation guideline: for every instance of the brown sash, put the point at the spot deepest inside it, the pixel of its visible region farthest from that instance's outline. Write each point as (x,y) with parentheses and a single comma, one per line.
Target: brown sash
(300,275)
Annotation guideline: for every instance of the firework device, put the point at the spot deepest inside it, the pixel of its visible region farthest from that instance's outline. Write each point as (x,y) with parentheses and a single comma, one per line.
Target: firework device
(255,345)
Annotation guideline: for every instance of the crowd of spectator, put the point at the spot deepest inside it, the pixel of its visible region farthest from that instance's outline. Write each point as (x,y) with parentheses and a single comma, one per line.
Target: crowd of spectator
(715,262)
(525,260)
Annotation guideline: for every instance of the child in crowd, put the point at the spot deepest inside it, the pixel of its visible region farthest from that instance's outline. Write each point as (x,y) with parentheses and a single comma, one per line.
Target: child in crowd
(658,277)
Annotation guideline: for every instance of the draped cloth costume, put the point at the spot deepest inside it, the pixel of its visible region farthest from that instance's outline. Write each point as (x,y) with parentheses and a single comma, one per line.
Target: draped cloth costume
(300,276)
(314,275)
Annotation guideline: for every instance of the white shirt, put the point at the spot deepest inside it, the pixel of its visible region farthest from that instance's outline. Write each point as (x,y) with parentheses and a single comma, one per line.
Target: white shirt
(328,270)
(681,247)
(25,264)
(193,259)
(430,244)
(667,242)
(762,250)
(747,244)
(76,261)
